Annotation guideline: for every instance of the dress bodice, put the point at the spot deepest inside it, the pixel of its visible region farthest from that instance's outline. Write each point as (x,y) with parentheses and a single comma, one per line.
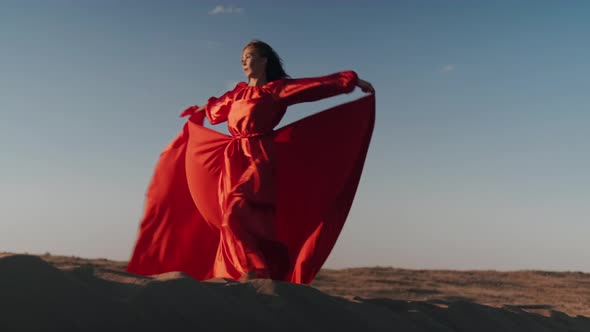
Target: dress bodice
(254,111)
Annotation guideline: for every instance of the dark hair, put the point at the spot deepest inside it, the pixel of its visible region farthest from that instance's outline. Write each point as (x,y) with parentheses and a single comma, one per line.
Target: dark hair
(274,64)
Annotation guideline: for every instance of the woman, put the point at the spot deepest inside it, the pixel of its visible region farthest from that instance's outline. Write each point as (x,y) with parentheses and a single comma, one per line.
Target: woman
(259,203)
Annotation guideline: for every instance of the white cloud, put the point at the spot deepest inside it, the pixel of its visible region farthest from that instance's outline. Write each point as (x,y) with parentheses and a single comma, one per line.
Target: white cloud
(225,10)
(448,68)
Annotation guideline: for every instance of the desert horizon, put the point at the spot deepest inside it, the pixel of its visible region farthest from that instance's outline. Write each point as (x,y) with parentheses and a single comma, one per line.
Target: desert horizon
(69,292)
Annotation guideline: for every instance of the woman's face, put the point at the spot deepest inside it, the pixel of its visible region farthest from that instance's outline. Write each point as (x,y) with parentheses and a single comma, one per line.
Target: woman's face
(253,64)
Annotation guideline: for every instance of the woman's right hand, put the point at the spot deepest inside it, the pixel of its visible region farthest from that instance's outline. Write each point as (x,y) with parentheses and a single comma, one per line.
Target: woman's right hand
(365,86)
(192,110)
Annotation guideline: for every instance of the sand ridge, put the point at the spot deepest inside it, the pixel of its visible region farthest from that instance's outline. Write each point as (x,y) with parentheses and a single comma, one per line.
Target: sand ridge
(43,293)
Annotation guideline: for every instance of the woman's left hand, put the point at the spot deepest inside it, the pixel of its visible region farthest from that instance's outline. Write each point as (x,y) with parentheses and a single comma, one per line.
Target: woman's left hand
(365,86)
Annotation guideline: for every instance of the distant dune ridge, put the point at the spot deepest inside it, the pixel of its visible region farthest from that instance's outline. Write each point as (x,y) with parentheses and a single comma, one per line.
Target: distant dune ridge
(56,293)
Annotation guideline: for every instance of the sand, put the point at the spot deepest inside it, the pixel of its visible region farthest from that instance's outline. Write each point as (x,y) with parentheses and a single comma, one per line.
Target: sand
(56,293)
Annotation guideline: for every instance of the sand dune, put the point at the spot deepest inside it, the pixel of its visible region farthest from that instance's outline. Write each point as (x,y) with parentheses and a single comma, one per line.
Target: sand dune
(535,291)
(49,293)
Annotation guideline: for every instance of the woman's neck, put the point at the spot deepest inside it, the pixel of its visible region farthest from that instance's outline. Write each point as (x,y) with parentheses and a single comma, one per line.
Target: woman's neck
(256,81)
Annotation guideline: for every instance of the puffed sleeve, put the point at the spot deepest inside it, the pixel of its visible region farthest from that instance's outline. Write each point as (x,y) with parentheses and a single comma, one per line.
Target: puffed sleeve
(301,90)
(217,109)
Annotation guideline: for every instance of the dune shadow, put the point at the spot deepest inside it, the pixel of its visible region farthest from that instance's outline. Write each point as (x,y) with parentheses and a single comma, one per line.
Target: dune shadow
(38,296)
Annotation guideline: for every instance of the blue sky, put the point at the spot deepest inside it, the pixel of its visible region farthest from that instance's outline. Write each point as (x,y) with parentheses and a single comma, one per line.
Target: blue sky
(479,156)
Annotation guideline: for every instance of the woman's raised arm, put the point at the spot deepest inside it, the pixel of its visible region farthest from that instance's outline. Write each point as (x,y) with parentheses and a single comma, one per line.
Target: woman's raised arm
(216,109)
(301,90)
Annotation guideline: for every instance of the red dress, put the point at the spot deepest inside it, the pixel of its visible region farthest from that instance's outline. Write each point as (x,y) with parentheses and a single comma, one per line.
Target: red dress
(273,202)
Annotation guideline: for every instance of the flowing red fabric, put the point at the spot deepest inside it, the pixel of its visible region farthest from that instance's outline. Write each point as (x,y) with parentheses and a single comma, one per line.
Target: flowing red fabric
(262,201)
